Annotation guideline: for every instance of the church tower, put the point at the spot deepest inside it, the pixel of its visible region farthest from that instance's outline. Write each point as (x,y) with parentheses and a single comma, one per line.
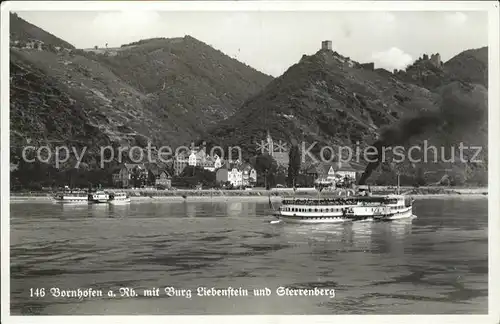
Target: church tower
(270,145)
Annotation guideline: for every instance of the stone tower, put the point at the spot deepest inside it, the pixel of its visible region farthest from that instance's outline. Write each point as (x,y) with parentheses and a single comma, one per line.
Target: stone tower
(326,45)
(436,60)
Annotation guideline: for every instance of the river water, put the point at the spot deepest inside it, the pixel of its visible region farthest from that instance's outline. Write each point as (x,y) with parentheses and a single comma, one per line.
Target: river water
(436,263)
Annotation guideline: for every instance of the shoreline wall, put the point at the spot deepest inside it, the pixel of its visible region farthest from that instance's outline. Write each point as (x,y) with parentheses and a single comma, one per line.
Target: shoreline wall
(279,193)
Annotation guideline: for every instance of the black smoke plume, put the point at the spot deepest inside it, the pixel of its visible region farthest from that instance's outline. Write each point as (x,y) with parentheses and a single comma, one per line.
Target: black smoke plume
(461,104)
(398,135)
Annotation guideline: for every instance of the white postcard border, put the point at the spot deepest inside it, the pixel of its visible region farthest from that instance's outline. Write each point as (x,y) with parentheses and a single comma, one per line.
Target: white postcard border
(493,137)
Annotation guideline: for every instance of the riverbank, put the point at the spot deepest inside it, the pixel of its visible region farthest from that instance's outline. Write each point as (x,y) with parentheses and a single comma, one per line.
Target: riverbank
(275,194)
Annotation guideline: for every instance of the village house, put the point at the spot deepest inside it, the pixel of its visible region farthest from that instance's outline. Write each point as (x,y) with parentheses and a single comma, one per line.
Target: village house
(180,162)
(205,161)
(162,178)
(249,175)
(327,173)
(237,174)
(158,175)
(217,162)
(122,175)
(335,172)
(193,158)
(153,175)
(345,170)
(235,177)
(211,163)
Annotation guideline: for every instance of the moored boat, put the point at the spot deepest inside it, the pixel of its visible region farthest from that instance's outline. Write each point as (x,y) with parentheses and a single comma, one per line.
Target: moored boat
(98,197)
(117,198)
(345,209)
(70,196)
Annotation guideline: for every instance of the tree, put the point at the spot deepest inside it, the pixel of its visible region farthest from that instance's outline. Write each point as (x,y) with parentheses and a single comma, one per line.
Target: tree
(294,165)
(195,175)
(138,178)
(420,178)
(151,178)
(265,164)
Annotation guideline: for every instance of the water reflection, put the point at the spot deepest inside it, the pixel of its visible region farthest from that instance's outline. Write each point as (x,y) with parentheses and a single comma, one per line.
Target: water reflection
(378,236)
(362,234)
(119,211)
(190,210)
(391,237)
(234,209)
(69,207)
(401,228)
(99,210)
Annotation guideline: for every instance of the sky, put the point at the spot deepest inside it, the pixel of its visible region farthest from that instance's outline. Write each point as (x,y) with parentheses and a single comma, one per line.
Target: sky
(273,41)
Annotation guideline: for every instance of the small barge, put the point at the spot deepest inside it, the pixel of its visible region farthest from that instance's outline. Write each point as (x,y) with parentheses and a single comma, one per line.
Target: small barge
(98,197)
(118,198)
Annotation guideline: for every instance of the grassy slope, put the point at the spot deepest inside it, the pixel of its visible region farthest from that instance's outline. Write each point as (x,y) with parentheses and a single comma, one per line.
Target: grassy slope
(80,97)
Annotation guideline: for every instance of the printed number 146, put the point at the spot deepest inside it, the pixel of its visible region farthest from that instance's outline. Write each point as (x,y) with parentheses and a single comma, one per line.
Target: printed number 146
(38,292)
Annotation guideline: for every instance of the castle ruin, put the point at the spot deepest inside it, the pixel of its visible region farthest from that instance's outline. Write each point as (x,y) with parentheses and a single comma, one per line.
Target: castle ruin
(436,60)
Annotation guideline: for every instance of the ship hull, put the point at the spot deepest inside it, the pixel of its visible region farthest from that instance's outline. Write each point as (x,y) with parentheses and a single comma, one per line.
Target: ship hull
(70,201)
(69,198)
(119,201)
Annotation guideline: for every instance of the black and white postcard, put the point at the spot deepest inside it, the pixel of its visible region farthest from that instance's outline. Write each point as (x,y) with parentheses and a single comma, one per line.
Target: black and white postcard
(270,158)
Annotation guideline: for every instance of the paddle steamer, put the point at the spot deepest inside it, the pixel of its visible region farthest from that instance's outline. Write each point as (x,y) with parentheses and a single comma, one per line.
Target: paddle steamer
(356,207)
(70,196)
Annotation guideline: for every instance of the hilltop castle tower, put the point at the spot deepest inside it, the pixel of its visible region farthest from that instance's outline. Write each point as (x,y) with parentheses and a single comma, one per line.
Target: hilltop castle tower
(326,45)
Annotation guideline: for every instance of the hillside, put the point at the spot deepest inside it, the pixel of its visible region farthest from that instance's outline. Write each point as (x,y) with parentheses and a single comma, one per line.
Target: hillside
(470,65)
(431,73)
(329,99)
(186,76)
(323,98)
(163,90)
(21,30)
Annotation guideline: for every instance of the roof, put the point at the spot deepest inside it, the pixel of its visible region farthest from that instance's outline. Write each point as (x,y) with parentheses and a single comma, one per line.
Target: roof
(128,166)
(324,168)
(181,155)
(312,169)
(201,154)
(163,171)
(131,166)
(246,167)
